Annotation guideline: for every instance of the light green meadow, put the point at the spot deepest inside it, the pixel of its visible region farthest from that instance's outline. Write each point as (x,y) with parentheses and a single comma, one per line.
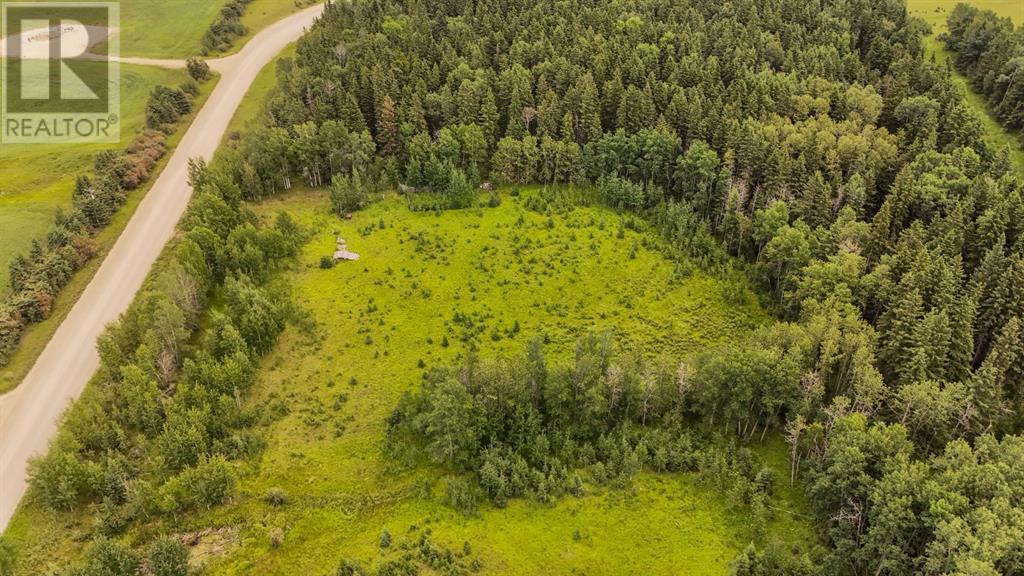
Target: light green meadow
(556,276)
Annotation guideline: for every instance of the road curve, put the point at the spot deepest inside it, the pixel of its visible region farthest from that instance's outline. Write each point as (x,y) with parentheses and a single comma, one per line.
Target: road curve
(29,415)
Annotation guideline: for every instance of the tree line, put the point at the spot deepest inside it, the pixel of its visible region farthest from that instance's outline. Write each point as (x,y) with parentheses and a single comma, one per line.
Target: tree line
(156,430)
(38,276)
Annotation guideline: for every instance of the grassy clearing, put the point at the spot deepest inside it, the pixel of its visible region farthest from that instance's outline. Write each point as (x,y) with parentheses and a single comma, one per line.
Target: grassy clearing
(381,316)
(935,12)
(36,336)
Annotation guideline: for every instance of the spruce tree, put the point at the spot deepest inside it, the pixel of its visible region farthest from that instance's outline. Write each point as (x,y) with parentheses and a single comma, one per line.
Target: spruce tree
(389,138)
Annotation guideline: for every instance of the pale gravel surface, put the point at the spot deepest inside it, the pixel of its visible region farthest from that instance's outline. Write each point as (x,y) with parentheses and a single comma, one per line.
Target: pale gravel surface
(29,414)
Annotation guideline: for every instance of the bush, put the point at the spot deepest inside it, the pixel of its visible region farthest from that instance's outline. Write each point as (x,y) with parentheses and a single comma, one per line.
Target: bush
(59,477)
(11,327)
(459,193)
(6,560)
(226,28)
(141,157)
(276,537)
(189,87)
(205,485)
(350,568)
(168,557)
(625,194)
(108,558)
(198,69)
(461,495)
(347,194)
(326,262)
(166,106)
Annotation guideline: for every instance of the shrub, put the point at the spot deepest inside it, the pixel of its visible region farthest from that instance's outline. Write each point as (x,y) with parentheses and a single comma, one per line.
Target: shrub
(350,568)
(459,193)
(226,28)
(461,495)
(198,69)
(205,485)
(398,567)
(276,497)
(166,106)
(276,537)
(168,557)
(141,156)
(11,327)
(621,193)
(59,477)
(326,262)
(189,87)
(6,560)
(108,558)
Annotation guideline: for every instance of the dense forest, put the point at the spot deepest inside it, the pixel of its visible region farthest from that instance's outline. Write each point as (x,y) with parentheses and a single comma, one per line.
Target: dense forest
(810,143)
(990,52)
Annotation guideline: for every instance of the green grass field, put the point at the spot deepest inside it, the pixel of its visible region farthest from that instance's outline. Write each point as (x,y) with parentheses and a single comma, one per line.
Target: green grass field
(175,28)
(165,28)
(18,208)
(507,265)
(378,317)
(36,179)
(936,12)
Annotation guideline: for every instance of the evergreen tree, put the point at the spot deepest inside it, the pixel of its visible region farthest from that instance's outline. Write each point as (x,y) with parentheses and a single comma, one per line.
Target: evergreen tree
(389,138)
(350,114)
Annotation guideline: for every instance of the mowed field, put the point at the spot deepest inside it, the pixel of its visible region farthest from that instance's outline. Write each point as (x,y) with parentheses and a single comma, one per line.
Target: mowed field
(936,13)
(36,179)
(175,28)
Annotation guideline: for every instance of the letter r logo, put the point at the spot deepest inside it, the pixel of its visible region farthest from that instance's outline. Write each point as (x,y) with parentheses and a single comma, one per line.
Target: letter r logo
(59,62)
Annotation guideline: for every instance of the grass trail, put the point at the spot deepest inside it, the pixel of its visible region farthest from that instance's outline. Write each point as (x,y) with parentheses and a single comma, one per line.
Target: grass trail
(936,12)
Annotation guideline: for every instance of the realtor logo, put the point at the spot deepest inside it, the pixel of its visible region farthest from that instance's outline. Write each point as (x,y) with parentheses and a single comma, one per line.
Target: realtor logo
(61,80)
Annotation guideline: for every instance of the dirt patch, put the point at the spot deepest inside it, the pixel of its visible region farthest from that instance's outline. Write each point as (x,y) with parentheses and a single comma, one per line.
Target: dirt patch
(209,544)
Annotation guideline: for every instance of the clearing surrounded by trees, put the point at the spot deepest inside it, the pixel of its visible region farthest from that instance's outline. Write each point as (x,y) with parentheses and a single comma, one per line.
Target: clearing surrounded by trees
(744,301)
